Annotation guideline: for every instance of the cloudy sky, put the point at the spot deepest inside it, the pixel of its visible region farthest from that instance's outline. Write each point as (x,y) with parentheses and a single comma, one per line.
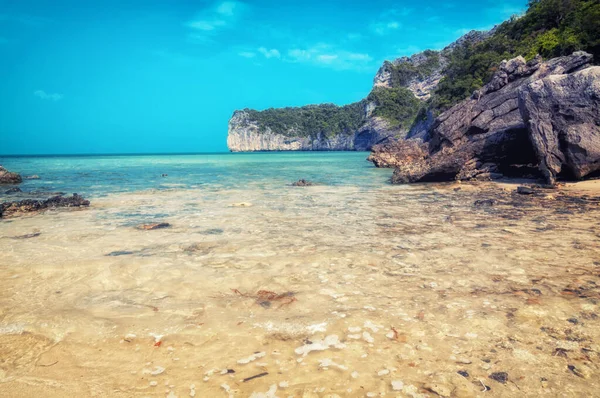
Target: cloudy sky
(165,76)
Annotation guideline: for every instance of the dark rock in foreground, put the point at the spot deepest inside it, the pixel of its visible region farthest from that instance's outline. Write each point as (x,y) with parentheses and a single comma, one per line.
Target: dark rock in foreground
(13,190)
(30,205)
(532,116)
(150,227)
(8,177)
(525,191)
(303,183)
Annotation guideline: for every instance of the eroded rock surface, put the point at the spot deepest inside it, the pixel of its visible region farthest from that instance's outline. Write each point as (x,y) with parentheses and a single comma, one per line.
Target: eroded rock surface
(31,205)
(8,177)
(529,114)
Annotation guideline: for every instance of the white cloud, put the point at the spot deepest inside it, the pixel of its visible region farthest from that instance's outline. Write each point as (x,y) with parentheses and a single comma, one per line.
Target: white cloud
(272,53)
(247,54)
(328,56)
(384,28)
(219,16)
(46,96)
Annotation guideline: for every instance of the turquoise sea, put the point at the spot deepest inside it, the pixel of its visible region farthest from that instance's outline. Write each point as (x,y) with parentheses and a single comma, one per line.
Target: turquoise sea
(104,174)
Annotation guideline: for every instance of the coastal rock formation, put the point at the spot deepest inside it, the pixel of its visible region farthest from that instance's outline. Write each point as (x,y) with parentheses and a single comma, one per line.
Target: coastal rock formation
(386,114)
(563,116)
(30,205)
(245,135)
(8,177)
(530,113)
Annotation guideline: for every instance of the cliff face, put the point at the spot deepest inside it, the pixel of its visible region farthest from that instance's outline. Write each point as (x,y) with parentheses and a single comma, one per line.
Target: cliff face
(245,135)
(355,127)
(531,115)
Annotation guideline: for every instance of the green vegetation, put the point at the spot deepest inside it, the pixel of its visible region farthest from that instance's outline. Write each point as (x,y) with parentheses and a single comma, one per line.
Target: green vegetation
(403,72)
(398,105)
(311,120)
(550,28)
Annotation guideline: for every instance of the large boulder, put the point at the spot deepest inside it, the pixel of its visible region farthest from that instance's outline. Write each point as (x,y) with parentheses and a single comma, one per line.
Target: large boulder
(495,131)
(563,116)
(8,177)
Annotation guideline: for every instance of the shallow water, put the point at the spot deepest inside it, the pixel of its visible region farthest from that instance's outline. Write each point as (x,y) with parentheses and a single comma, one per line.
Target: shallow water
(416,282)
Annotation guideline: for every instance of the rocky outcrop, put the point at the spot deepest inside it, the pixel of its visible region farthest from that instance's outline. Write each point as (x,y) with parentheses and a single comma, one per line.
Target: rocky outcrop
(245,135)
(530,113)
(29,205)
(8,177)
(420,74)
(562,113)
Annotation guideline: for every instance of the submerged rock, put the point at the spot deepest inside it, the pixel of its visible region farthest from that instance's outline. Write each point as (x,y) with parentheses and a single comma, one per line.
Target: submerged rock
(150,227)
(30,205)
(303,183)
(8,177)
(525,191)
(33,177)
(13,190)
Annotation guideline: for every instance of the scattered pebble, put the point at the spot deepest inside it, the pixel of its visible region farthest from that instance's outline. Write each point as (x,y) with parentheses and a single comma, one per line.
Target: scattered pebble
(383,372)
(368,338)
(320,345)
(252,357)
(397,385)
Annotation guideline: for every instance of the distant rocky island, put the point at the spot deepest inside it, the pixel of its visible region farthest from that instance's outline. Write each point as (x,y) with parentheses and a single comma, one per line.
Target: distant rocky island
(519,100)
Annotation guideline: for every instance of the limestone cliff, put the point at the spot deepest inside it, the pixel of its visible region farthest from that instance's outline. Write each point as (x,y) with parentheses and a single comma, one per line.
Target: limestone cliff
(246,135)
(399,88)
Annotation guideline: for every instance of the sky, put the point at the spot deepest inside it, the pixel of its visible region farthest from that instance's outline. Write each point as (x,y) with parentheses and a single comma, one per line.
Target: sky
(86,76)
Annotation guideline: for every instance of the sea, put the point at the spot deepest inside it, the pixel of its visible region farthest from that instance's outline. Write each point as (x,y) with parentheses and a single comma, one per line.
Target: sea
(351,287)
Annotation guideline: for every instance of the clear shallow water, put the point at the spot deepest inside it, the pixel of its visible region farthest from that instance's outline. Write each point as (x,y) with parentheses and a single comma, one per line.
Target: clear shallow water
(351,288)
(101,175)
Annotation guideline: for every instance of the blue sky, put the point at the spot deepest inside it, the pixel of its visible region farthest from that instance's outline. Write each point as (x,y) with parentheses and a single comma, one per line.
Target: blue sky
(165,76)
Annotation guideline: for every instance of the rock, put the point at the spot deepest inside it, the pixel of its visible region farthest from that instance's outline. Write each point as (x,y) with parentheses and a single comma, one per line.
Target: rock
(540,116)
(420,74)
(13,190)
(27,236)
(150,227)
(8,177)
(525,190)
(563,116)
(440,389)
(484,202)
(303,183)
(33,177)
(30,205)
(500,377)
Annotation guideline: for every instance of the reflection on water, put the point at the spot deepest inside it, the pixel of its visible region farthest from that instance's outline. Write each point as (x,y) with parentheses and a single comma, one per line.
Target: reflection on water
(368,290)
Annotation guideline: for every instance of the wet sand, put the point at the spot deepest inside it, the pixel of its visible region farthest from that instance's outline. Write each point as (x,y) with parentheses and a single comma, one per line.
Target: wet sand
(407,291)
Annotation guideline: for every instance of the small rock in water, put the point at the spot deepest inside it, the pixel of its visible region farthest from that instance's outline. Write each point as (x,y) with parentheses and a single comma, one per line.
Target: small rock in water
(13,190)
(331,341)
(484,202)
(119,253)
(252,357)
(240,204)
(397,385)
(33,177)
(524,190)
(303,183)
(150,227)
(463,373)
(500,377)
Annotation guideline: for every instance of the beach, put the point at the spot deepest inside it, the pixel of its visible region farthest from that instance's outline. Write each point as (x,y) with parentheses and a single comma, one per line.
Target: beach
(351,287)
